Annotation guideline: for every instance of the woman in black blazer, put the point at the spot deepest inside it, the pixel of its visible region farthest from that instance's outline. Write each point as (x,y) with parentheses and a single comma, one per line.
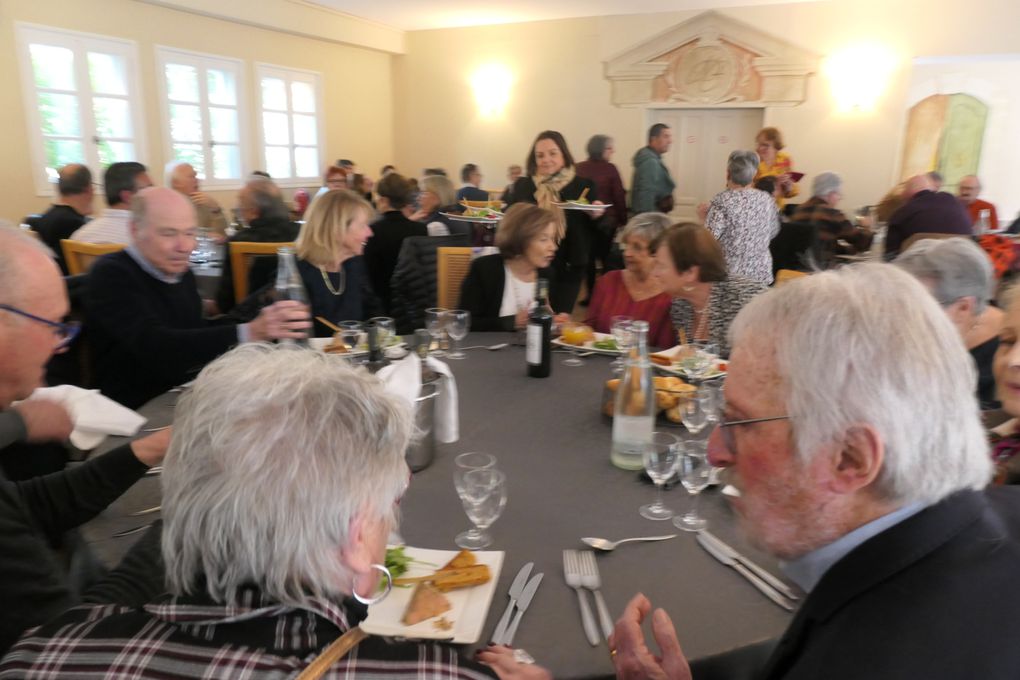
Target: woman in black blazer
(551,179)
(499,289)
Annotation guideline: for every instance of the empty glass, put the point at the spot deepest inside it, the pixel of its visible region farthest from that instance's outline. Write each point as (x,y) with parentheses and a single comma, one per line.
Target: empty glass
(483,494)
(620,328)
(694,411)
(472,460)
(458,321)
(695,473)
(435,321)
(661,457)
(387,331)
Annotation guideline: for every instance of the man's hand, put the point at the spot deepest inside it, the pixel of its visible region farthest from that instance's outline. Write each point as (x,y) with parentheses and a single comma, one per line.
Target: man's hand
(45,421)
(501,659)
(151,449)
(205,200)
(284,319)
(633,659)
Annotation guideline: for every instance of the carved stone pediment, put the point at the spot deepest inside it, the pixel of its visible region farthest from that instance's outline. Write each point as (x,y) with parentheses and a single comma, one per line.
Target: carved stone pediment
(711,60)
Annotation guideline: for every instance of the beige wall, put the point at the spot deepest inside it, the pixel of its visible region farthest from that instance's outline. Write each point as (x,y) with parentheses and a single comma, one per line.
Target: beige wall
(559,84)
(357,88)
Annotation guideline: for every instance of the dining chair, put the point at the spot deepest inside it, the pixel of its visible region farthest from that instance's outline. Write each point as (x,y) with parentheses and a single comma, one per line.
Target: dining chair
(786,275)
(452,266)
(242,256)
(80,255)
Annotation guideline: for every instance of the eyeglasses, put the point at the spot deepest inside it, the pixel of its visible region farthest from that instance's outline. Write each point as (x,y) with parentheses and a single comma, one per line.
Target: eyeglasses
(67,332)
(727,433)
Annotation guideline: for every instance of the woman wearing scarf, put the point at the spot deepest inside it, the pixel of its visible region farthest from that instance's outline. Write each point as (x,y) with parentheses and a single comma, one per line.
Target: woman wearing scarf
(551,179)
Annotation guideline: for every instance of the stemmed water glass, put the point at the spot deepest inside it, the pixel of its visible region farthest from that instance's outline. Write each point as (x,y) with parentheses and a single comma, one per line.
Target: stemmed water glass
(661,457)
(483,494)
(387,330)
(697,359)
(694,411)
(458,321)
(695,472)
(435,320)
(620,328)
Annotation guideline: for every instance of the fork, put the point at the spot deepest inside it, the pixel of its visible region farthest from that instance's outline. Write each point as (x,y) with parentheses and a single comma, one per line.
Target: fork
(591,580)
(572,574)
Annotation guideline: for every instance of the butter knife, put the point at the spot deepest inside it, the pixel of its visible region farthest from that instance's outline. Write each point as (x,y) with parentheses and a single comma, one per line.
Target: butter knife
(522,605)
(762,573)
(516,588)
(765,588)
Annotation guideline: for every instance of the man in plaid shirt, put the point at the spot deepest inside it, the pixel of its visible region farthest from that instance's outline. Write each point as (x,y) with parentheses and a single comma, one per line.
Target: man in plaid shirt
(832,225)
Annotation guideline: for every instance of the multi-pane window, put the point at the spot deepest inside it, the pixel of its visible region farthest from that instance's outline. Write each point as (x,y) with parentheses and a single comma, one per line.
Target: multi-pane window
(201,111)
(81,93)
(290,123)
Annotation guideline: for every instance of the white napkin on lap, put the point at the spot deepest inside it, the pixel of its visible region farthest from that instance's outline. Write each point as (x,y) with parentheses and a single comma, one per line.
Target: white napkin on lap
(403,378)
(95,416)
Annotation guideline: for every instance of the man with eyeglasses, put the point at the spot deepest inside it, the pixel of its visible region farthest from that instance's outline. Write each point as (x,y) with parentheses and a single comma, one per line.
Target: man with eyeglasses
(856,449)
(34,586)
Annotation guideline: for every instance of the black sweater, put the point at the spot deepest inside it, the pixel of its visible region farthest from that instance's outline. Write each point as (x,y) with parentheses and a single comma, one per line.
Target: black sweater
(482,293)
(381,251)
(147,336)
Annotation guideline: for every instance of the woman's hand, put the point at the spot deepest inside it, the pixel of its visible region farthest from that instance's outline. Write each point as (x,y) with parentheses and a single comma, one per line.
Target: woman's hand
(596,214)
(786,183)
(702,211)
(500,658)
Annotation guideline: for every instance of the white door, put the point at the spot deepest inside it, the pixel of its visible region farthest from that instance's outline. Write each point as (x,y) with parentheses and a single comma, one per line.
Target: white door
(702,141)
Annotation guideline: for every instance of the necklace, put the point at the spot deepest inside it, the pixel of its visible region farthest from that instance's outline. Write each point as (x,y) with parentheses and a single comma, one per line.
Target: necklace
(329,284)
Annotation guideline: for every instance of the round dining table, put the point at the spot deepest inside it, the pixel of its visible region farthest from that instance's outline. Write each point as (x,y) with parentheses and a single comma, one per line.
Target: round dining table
(553,443)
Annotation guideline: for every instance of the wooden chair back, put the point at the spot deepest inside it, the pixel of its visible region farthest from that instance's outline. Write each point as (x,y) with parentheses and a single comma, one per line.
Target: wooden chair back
(452,264)
(80,255)
(242,254)
(784,275)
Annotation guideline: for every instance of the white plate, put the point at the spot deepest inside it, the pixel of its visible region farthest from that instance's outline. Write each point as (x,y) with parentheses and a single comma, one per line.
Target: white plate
(673,369)
(465,218)
(590,345)
(470,605)
(574,205)
(319,345)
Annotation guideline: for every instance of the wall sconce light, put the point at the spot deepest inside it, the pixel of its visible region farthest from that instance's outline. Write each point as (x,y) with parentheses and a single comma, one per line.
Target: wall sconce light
(491,84)
(859,75)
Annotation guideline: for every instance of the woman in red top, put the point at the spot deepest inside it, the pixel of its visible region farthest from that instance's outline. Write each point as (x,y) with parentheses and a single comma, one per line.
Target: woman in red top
(633,291)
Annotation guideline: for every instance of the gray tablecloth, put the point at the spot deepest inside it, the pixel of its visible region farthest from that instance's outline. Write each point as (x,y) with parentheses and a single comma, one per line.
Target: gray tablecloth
(553,444)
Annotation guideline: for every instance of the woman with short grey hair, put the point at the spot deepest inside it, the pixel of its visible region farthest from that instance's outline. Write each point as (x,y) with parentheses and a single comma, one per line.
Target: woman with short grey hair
(633,291)
(960,276)
(744,220)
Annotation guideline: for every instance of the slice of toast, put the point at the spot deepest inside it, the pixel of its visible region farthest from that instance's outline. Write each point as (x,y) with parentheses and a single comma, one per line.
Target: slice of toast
(464,577)
(465,558)
(426,602)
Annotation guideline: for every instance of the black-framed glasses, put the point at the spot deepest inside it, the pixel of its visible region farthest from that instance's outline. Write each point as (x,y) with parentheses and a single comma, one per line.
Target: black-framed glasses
(67,332)
(727,433)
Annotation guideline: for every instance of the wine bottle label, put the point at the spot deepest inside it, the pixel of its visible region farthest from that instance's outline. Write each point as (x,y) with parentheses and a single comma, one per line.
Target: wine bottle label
(533,347)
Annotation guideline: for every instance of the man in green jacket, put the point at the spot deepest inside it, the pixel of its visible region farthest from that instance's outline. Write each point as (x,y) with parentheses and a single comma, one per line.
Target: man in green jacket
(652,188)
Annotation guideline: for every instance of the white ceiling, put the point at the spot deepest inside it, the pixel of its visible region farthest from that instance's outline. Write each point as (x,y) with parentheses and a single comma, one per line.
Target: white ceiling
(414,15)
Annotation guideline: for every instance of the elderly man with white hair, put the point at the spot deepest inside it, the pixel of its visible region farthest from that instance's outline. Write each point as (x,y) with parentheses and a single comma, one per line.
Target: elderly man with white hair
(856,449)
(281,485)
(829,222)
(183,178)
(143,311)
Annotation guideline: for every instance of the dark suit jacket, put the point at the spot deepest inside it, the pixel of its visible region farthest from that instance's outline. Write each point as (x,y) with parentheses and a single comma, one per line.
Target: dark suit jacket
(931,598)
(381,251)
(472,193)
(928,211)
(482,293)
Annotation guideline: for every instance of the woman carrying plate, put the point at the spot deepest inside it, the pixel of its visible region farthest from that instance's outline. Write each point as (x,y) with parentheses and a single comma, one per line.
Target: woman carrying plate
(499,289)
(551,180)
(690,265)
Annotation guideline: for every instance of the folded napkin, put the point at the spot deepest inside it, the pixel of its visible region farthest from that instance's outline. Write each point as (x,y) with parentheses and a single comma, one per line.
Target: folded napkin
(403,378)
(95,416)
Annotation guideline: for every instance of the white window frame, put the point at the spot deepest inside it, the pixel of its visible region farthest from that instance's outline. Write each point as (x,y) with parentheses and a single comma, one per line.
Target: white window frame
(202,61)
(289,75)
(81,44)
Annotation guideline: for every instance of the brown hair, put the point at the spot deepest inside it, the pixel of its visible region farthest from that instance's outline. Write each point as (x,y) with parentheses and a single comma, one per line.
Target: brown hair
(523,222)
(773,135)
(692,244)
(396,189)
(333,170)
(326,223)
(559,141)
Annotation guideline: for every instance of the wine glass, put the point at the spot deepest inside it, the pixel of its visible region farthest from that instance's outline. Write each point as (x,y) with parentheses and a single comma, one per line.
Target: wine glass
(387,331)
(695,472)
(694,412)
(572,329)
(697,359)
(483,494)
(472,460)
(620,328)
(660,457)
(350,334)
(457,323)
(435,320)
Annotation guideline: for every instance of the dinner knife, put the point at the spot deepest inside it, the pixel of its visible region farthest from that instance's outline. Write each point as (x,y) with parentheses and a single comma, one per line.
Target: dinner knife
(516,588)
(762,573)
(765,588)
(522,605)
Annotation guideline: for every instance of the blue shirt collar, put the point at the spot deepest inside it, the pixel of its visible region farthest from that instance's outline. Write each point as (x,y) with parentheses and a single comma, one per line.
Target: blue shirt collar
(806,571)
(151,270)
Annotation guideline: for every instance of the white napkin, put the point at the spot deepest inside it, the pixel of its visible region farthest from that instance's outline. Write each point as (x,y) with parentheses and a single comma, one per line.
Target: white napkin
(95,416)
(403,378)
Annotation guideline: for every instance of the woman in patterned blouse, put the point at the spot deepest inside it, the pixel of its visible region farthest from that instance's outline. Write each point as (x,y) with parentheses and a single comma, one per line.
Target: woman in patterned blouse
(744,220)
(690,264)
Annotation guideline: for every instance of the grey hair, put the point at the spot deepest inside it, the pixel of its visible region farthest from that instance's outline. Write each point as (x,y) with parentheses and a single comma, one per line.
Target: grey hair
(742,166)
(12,241)
(266,199)
(955,267)
(442,187)
(274,452)
(169,168)
(646,225)
(867,344)
(825,183)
